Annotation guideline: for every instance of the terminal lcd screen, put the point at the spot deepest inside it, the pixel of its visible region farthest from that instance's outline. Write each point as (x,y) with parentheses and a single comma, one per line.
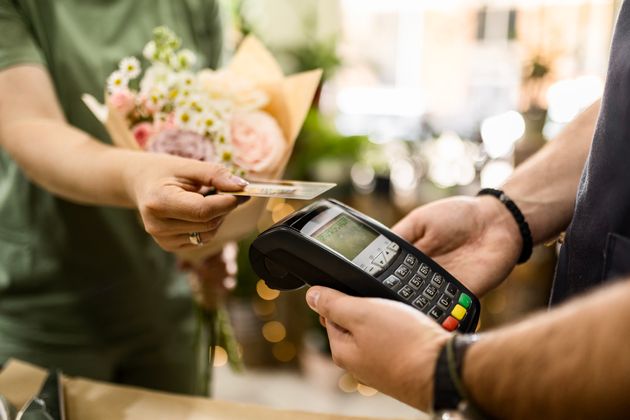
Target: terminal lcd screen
(345,235)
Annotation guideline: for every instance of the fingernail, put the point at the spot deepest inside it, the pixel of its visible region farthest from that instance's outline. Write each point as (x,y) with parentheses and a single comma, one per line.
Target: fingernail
(312,296)
(239,181)
(240,199)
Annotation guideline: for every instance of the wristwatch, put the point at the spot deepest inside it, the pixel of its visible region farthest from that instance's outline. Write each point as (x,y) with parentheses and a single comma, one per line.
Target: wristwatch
(449,394)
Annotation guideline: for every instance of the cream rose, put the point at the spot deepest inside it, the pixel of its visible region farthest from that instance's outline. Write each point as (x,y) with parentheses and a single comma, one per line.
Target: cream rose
(257,141)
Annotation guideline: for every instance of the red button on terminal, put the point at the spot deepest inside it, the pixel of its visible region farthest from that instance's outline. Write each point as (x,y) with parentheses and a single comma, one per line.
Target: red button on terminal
(450,323)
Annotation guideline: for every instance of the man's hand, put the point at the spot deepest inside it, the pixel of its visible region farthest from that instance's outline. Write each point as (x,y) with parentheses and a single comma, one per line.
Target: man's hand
(475,239)
(214,277)
(384,344)
(166,190)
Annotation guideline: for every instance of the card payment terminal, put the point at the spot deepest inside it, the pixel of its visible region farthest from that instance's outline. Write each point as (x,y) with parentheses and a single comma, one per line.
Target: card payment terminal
(333,245)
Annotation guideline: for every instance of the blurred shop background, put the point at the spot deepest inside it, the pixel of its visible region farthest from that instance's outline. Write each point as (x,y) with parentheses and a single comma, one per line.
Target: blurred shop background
(421,100)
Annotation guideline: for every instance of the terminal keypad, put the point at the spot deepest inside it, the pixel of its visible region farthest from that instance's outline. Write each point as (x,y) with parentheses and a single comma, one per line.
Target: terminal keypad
(424,288)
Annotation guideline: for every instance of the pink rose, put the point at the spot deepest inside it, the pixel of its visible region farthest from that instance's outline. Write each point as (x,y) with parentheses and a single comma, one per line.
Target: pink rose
(123,100)
(182,143)
(258,142)
(142,132)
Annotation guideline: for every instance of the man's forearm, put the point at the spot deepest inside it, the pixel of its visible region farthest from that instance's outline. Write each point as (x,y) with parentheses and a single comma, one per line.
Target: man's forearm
(544,187)
(572,362)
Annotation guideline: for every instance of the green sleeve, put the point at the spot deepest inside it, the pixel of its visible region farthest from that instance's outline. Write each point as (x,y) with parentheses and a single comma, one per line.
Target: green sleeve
(17,45)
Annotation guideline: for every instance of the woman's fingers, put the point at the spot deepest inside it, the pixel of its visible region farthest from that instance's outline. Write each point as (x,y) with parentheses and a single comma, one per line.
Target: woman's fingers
(176,203)
(211,175)
(185,240)
(172,227)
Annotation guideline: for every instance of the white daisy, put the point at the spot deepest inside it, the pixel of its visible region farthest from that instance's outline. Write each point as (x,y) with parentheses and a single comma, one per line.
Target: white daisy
(157,98)
(186,59)
(149,51)
(210,124)
(186,80)
(117,81)
(187,119)
(130,66)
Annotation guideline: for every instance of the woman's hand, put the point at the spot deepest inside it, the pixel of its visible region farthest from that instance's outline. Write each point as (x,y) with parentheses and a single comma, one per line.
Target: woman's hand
(385,344)
(214,277)
(166,190)
(475,239)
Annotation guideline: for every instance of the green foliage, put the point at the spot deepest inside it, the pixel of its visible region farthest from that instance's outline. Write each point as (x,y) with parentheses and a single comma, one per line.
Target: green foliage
(319,140)
(317,54)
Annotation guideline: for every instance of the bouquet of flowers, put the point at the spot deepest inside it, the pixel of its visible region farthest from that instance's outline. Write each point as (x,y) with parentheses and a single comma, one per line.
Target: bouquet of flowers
(245,116)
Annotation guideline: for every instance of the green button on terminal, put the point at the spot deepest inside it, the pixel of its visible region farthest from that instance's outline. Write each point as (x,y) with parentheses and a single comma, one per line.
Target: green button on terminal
(465,300)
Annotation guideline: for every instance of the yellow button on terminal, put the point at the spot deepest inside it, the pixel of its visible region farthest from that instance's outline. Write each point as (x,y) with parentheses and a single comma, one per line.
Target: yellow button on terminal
(458,312)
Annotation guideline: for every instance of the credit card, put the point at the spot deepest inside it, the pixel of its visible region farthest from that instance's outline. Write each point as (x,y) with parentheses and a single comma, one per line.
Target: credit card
(295,190)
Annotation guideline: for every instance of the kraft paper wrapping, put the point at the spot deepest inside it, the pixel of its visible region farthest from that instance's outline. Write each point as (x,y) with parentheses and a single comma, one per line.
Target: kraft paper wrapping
(92,400)
(290,98)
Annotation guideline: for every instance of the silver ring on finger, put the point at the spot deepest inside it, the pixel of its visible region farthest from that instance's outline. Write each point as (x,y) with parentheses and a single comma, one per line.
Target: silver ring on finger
(195,238)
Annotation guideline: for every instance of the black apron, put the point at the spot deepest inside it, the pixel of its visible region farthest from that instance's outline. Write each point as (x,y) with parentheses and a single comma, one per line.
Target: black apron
(597,243)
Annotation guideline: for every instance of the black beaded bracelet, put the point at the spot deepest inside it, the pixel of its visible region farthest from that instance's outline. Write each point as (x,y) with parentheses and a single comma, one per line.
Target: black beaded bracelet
(523,227)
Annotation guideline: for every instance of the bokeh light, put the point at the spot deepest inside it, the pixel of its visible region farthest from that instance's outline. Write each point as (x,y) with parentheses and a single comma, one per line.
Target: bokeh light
(495,173)
(263,308)
(347,383)
(220,356)
(265,292)
(567,98)
(280,211)
(274,331)
(500,132)
(366,391)
(451,160)
(284,351)
(363,178)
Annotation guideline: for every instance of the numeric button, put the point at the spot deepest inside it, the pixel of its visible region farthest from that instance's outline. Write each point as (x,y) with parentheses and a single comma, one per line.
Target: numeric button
(421,302)
(444,302)
(437,279)
(416,281)
(424,270)
(406,292)
(430,292)
(391,282)
(410,260)
(403,271)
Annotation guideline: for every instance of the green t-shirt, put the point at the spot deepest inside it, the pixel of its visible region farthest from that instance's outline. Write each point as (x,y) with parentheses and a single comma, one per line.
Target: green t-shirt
(70,274)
